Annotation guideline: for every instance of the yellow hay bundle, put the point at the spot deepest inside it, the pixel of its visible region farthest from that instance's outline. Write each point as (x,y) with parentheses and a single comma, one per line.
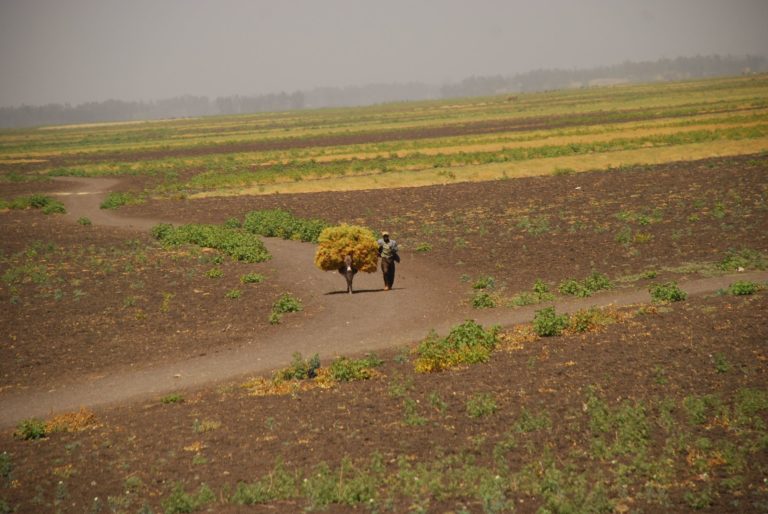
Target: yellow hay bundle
(335,243)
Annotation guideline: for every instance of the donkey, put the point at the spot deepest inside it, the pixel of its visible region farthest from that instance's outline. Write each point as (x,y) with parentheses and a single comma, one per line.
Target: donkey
(349,272)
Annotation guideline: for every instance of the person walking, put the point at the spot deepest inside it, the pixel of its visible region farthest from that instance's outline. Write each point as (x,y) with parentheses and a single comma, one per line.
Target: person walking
(389,256)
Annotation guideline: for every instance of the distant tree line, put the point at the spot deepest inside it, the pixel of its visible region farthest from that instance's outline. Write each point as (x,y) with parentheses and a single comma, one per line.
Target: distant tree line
(538,80)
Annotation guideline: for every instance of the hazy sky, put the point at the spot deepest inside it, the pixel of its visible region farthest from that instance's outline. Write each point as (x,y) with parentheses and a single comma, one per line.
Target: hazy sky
(81,50)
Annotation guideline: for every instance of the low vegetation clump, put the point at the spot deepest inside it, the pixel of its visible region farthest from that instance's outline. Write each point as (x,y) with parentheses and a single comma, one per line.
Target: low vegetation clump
(589,320)
(344,369)
(31,428)
(539,293)
(481,405)
(483,300)
(304,374)
(468,343)
(300,368)
(285,304)
(118,199)
(172,398)
(86,222)
(587,287)
(252,278)
(45,203)
(743,259)
(236,243)
(547,323)
(180,501)
(667,293)
(743,288)
(335,243)
(283,224)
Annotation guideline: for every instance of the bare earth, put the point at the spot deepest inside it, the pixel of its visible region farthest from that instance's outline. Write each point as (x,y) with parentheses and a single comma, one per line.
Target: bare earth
(333,323)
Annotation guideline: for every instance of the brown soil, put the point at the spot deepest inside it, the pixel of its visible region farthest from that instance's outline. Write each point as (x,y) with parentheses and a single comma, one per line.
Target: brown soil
(641,361)
(91,348)
(704,209)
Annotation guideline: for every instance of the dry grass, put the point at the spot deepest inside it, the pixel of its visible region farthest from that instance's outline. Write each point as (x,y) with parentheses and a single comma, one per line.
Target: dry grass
(496,171)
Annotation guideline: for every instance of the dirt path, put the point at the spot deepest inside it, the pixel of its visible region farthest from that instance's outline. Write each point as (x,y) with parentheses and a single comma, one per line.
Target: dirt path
(336,324)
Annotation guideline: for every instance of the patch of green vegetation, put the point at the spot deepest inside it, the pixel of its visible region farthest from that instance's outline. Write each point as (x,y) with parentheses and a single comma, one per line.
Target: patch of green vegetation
(172,398)
(539,293)
(86,222)
(31,428)
(423,247)
(117,199)
(283,224)
(252,278)
(285,304)
(214,273)
(238,244)
(468,343)
(300,368)
(481,405)
(744,258)
(546,323)
(743,288)
(344,369)
(587,287)
(534,225)
(483,300)
(667,293)
(179,501)
(234,294)
(37,201)
(486,282)
(530,422)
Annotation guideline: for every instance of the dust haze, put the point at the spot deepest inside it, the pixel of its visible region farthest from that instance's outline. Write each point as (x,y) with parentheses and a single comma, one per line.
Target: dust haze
(93,50)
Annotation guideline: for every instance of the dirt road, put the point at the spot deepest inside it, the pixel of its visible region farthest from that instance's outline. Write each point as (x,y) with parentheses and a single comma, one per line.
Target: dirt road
(341,324)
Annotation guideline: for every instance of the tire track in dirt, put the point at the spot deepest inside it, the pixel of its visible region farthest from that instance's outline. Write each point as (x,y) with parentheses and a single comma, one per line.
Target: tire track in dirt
(334,324)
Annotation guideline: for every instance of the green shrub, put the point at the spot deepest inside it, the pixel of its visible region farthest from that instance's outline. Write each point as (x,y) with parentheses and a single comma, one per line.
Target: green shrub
(547,323)
(181,502)
(31,428)
(37,201)
(54,207)
(484,283)
(483,300)
(587,287)
(84,221)
(744,258)
(234,294)
(233,242)
(467,343)
(6,466)
(481,405)
(345,370)
(300,369)
(283,224)
(286,303)
(743,287)
(252,278)
(117,199)
(232,223)
(540,293)
(214,273)
(423,247)
(668,292)
(172,398)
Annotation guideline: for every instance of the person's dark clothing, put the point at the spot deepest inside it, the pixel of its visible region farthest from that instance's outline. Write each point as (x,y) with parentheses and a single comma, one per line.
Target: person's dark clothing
(389,256)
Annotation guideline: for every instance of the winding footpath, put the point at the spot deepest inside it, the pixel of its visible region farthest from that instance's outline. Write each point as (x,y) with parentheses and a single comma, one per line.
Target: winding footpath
(335,324)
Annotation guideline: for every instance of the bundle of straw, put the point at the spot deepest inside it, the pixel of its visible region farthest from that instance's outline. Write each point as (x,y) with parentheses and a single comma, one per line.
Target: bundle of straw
(335,243)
